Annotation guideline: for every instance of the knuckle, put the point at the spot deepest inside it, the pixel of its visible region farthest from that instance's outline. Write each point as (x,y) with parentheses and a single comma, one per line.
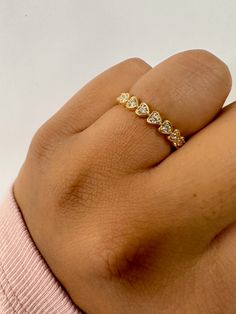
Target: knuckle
(76,192)
(137,64)
(44,142)
(126,255)
(81,184)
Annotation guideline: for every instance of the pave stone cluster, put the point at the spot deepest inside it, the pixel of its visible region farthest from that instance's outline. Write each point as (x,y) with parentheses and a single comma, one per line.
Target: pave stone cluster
(153,117)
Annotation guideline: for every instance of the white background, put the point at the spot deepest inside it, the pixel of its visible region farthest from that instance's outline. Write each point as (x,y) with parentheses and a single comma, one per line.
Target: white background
(50,48)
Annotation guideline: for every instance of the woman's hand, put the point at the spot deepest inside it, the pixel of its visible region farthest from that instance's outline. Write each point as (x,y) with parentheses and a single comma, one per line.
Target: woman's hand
(122,227)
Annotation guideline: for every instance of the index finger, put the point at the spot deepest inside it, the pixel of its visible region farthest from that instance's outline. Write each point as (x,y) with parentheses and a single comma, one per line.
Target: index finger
(97,96)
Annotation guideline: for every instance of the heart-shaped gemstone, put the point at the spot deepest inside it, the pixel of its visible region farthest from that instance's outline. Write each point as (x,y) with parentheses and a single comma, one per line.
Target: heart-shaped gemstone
(154,118)
(142,110)
(166,127)
(123,98)
(180,142)
(174,136)
(132,103)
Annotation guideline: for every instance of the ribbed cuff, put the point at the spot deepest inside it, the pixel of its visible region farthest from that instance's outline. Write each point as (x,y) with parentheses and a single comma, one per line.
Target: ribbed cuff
(26,283)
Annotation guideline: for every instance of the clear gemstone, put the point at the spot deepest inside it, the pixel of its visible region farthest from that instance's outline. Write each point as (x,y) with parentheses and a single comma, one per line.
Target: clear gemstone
(132,103)
(154,118)
(123,98)
(166,127)
(142,110)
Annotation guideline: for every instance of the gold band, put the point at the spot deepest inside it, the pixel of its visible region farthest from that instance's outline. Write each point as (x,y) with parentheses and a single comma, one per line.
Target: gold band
(153,117)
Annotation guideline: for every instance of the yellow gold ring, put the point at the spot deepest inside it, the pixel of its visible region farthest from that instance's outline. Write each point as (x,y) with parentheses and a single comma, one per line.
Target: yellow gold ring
(152,117)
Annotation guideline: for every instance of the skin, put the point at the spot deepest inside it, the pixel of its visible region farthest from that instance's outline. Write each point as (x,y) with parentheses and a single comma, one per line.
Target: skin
(124,223)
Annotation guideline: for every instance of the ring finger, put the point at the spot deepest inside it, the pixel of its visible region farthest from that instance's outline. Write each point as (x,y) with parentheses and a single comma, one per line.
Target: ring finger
(188,89)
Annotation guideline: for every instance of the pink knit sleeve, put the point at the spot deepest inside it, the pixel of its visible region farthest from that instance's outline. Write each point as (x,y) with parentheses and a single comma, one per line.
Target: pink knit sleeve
(26,283)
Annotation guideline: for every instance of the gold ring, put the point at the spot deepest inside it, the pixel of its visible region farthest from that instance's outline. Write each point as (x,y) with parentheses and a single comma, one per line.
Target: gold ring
(153,117)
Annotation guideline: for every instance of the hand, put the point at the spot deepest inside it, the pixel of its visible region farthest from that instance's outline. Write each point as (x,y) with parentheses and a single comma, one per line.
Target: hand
(124,228)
